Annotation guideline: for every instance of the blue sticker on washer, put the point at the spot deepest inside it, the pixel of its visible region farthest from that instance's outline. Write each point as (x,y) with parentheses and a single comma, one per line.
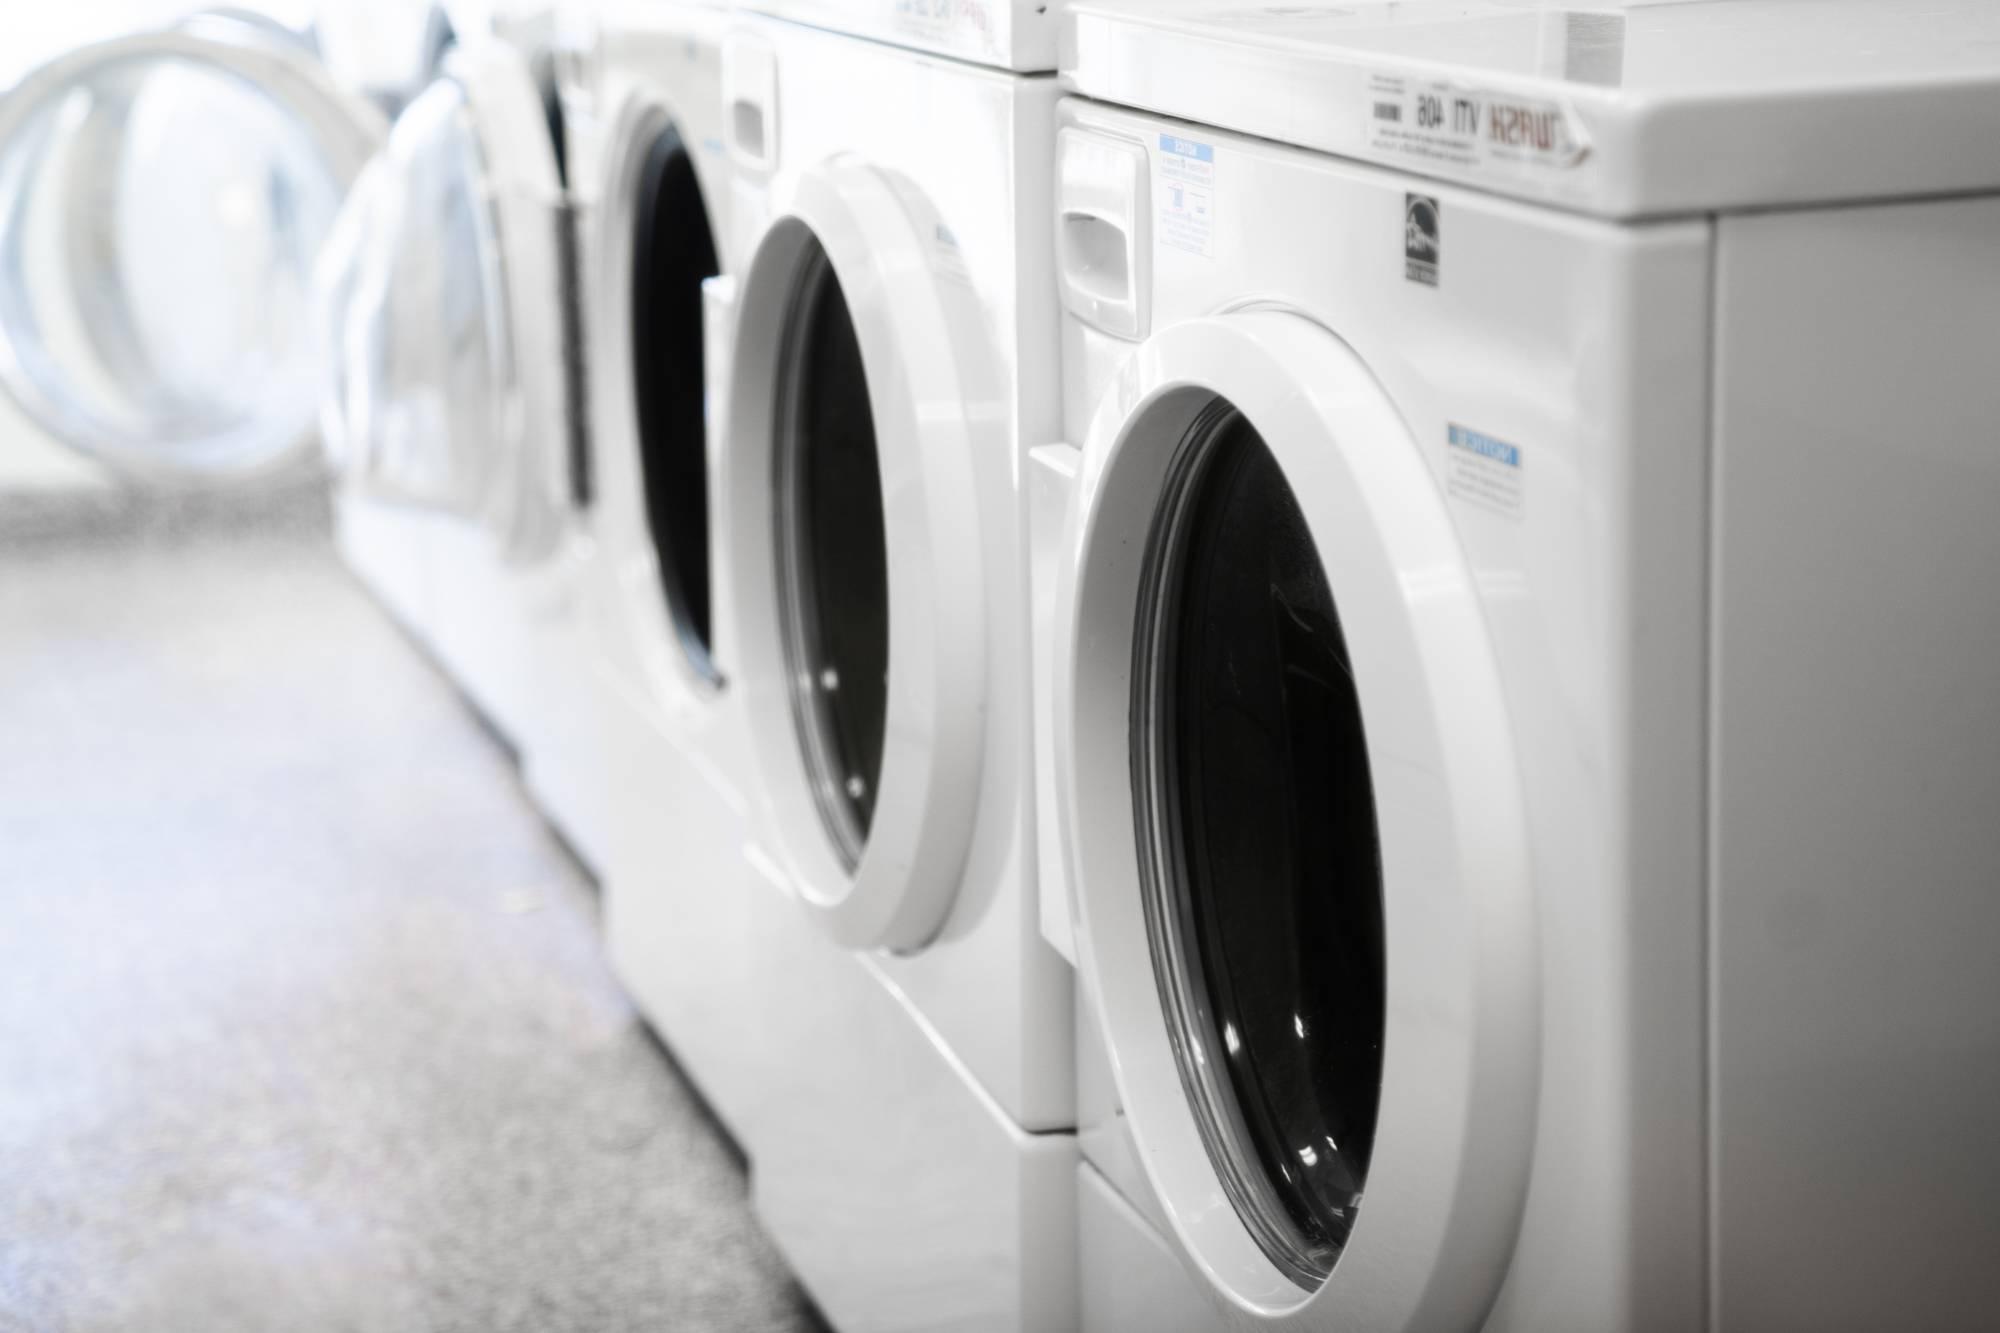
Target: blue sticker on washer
(1485,445)
(1186,194)
(1483,470)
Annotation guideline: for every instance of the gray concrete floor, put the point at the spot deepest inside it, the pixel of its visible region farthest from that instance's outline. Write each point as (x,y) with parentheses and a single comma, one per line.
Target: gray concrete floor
(304,1020)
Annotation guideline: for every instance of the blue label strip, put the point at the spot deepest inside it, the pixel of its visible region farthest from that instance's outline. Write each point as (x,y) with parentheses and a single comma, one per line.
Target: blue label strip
(1484,445)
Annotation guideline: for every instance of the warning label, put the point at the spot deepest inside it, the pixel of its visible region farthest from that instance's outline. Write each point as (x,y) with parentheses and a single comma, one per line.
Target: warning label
(1186,194)
(1447,125)
(1483,470)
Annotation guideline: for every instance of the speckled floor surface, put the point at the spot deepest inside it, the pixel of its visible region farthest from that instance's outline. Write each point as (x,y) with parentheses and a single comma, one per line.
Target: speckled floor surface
(304,1022)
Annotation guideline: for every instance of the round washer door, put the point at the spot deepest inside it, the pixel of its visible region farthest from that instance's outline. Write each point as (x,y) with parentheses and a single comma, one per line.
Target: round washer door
(443,294)
(856,405)
(1292,819)
(163,200)
(654,248)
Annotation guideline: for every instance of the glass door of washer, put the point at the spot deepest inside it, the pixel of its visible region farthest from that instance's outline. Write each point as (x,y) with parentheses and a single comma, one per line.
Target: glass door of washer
(163,201)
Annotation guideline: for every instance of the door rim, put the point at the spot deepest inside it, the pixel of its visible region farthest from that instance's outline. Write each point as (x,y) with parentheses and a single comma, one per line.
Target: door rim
(929,411)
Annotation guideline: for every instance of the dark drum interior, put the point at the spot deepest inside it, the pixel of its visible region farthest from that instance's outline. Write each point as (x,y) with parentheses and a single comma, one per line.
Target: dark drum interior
(835,556)
(1267,885)
(544,73)
(672,254)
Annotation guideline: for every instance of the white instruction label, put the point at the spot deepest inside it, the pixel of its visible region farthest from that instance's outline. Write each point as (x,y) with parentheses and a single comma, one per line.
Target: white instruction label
(958,24)
(1447,124)
(1186,194)
(1483,470)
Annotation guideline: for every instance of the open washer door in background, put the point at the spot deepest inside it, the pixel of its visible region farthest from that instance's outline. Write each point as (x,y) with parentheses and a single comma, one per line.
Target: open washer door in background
(163,200)
(444,299)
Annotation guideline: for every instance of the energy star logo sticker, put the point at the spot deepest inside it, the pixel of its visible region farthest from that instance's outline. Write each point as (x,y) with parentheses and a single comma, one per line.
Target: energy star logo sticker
(1421,244)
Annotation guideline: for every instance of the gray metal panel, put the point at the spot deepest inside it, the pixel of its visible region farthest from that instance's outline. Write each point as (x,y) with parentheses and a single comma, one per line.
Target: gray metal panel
(1856,1054)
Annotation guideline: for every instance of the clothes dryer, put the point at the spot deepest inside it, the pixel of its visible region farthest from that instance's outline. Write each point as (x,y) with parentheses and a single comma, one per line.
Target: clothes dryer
(893,355)
(1509,737)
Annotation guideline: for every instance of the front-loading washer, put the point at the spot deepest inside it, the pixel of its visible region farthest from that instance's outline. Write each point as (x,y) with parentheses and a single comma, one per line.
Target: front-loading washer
(164,196)
(1513,714)
(667,758)
(535,615)
(486,361)
(445,295)
(892,356)
(383,540)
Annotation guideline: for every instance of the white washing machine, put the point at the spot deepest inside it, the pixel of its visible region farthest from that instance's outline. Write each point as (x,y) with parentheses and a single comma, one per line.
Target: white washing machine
(537,609)
(384,541)
(445,292)
(389,54)
(1515,709)
(644,109)
(486,360)
(893,358)
(484,376)
(163,198)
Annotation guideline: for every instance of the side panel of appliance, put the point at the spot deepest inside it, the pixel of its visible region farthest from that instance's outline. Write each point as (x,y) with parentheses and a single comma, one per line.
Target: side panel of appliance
(1856,753)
